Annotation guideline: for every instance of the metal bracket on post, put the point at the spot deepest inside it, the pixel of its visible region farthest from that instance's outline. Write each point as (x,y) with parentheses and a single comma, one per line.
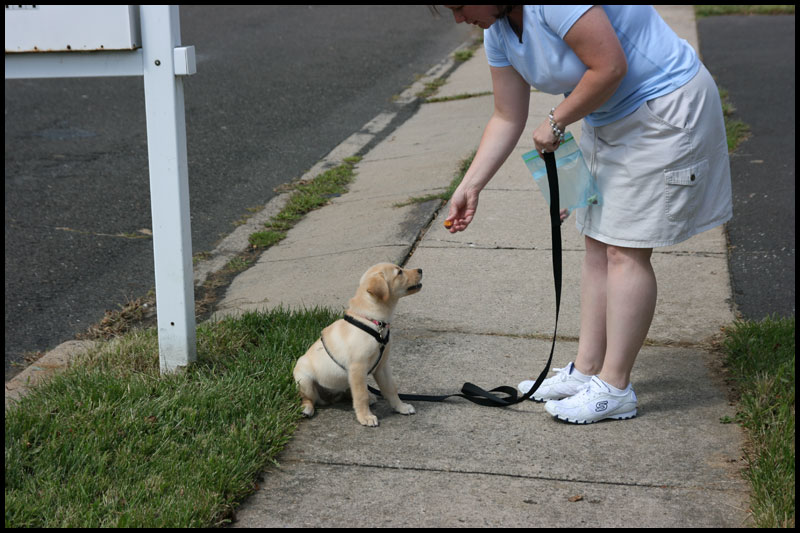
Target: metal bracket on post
(169,183)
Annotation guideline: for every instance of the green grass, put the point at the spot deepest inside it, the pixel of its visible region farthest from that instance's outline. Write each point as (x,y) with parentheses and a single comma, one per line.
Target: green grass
(736,130)
(445,195)
(761,356)
(464,55)
(430,88)
(112,443)
(307,196)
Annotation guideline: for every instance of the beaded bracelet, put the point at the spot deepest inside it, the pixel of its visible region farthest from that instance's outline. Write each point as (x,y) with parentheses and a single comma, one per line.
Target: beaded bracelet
(558,133)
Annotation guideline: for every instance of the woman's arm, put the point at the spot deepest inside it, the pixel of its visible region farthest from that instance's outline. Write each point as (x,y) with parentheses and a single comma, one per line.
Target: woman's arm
(595,42)
(511,99)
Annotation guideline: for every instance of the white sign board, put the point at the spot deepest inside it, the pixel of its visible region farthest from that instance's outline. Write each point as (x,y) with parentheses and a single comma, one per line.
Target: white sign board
(68,28)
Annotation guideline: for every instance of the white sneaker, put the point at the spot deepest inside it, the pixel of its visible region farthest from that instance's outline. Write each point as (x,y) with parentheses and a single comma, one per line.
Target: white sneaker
(567,382)
(594,403)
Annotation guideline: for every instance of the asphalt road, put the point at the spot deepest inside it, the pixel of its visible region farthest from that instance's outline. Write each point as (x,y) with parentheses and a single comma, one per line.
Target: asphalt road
(277,87)
(753,58)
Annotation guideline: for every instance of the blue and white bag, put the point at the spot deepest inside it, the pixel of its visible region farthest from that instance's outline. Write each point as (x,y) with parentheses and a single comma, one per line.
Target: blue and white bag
(577,187)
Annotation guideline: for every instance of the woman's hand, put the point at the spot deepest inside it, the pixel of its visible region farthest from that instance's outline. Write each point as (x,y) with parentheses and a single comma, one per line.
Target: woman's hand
(463,205)
(544,139)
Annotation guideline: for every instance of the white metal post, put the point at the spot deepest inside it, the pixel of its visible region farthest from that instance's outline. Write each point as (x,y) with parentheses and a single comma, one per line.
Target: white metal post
(169,186)
(161,61)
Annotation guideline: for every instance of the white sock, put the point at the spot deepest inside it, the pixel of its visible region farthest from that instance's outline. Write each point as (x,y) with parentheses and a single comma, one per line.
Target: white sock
(577,373)
(614,390)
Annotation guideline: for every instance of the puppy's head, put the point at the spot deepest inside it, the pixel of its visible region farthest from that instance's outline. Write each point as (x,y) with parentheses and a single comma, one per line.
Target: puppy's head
(386,282)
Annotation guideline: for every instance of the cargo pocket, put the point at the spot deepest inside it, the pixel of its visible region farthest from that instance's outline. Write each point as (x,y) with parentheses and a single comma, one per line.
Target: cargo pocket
(684,190)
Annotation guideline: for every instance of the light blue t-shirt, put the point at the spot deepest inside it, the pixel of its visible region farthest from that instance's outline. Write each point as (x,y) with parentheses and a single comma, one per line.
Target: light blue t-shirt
(658,60)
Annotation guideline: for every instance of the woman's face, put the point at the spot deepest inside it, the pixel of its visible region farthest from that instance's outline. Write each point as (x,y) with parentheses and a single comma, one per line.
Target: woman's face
(481,16)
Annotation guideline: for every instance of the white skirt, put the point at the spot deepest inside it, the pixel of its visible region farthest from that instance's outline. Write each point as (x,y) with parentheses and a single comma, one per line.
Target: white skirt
(663,171)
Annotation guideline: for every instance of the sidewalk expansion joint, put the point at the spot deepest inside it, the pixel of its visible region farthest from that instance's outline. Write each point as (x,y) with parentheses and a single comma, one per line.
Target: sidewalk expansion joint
(339,252)
(687,253)
(531,336)
(705,344)
(473,246)
(461,472)
(423,230)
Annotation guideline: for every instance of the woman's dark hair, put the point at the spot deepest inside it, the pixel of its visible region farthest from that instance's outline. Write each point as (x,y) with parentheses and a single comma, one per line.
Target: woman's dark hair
(504,11)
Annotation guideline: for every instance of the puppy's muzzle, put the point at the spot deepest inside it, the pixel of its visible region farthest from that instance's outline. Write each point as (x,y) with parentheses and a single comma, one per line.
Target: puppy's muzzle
(418,285)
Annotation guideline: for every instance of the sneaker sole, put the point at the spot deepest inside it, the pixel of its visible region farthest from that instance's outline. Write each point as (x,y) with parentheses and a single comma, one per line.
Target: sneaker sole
(543,400)
(621,416)
(537,400)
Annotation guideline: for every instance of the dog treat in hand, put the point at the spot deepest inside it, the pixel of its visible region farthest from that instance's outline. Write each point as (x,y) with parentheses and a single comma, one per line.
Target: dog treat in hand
(448,224)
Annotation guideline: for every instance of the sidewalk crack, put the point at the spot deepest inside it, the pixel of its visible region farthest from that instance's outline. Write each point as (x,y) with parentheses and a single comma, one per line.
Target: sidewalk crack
(464,472)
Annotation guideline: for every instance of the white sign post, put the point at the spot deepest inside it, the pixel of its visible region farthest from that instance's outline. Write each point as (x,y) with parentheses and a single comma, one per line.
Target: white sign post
(148,44)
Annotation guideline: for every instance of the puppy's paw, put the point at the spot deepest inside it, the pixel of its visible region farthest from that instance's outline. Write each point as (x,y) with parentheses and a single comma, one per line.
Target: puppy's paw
(368,420)
(308,410)
(405,409)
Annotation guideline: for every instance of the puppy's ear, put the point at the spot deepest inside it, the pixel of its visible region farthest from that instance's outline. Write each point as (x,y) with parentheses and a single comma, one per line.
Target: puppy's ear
(378,287)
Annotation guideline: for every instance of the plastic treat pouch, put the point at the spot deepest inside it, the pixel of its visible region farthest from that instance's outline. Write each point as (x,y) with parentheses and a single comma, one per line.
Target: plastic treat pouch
(576,186)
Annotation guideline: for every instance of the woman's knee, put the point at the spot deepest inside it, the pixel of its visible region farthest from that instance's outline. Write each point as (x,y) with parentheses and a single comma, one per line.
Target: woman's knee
(620,255)
(595,250)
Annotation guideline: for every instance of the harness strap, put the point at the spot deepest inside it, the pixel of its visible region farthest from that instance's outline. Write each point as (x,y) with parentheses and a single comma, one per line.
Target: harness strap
(381,325)
(490,398)
(382,341)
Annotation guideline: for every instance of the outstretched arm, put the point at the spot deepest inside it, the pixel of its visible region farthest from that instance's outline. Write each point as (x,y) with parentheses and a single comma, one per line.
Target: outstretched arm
(511,98)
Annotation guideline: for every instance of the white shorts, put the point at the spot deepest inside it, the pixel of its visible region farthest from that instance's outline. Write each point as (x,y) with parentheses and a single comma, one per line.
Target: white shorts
(663,170)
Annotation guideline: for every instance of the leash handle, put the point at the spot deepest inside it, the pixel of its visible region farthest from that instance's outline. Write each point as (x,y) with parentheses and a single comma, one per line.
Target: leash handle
(490,398)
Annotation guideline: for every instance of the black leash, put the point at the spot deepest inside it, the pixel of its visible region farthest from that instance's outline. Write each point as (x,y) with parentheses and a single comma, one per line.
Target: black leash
(505,396)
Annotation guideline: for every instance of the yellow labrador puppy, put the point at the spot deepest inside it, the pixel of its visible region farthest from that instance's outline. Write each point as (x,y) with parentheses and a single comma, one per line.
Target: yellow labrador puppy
(358,345)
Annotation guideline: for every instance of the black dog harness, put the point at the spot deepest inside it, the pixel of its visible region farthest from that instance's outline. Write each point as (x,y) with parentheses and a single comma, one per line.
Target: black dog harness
(382,341)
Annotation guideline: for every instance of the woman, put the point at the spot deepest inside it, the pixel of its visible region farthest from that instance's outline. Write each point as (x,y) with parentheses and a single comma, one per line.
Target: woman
(653,137)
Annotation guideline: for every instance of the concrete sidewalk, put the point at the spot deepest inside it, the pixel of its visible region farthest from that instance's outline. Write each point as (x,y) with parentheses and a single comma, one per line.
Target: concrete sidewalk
(485,315)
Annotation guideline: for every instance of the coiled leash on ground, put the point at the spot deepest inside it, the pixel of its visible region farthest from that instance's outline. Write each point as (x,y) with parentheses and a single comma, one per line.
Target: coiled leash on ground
(505,396)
